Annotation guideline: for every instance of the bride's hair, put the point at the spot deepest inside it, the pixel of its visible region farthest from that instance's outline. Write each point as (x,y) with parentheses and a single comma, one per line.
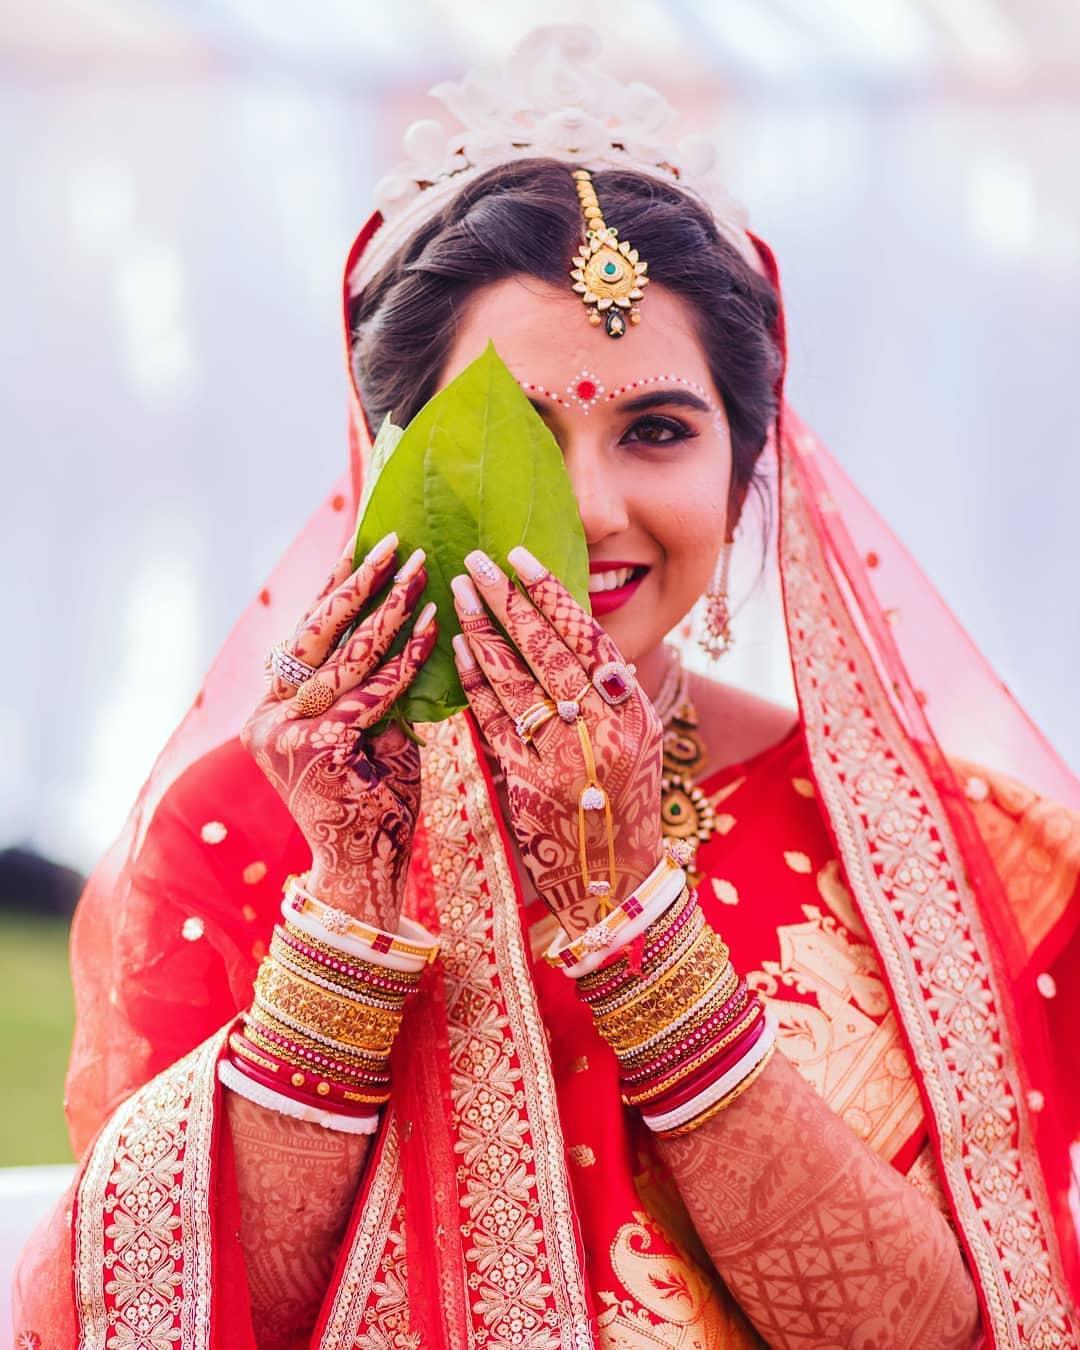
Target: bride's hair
(524,217)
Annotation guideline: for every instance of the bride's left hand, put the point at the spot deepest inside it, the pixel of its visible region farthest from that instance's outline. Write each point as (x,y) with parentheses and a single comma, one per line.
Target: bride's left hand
(555,649)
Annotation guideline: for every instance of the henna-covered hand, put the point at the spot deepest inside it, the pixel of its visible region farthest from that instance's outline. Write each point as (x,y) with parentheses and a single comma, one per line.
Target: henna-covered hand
(553,648)
(354,795)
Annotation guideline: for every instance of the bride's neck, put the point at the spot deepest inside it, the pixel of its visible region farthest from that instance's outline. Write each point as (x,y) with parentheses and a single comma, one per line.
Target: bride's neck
(652,667)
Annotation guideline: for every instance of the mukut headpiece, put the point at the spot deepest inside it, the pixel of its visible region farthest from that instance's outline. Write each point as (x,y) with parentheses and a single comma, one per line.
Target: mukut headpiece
(547,98)
(607,274)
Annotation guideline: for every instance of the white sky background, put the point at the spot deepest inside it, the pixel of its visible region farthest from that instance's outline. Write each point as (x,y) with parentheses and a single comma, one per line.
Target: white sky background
(184,181)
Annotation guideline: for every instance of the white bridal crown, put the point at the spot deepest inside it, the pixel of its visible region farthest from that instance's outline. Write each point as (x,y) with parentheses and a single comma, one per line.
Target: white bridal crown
(548,97)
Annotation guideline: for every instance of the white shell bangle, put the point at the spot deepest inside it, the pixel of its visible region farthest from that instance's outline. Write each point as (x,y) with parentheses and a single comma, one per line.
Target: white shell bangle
(309,921)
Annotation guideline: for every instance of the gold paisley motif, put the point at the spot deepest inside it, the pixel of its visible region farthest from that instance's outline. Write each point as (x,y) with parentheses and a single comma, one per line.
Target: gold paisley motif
(667,1302)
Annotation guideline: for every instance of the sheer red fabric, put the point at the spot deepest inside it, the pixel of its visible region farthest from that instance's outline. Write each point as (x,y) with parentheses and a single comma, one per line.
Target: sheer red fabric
(935,834)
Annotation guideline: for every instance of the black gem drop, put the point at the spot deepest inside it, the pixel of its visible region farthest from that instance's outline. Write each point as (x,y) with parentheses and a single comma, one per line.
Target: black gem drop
(615,324)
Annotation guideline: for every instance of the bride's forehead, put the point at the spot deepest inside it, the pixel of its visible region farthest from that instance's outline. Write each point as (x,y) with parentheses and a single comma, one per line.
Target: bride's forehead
(543,334)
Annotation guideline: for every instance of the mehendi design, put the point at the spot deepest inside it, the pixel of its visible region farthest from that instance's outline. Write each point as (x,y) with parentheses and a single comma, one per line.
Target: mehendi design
(355,796)
(296,1184)
(820,1241)
(561,643)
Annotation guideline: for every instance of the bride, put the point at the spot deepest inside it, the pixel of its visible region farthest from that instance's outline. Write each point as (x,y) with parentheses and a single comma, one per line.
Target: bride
(631,1009)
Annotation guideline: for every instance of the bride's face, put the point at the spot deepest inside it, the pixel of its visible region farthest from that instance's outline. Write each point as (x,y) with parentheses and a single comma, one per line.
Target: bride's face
(643,433)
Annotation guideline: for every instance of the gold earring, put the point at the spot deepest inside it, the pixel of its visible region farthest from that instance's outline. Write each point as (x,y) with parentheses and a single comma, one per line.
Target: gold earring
(717,639)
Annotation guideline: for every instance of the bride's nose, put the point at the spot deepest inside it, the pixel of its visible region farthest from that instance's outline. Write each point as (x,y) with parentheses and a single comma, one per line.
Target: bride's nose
(600,498)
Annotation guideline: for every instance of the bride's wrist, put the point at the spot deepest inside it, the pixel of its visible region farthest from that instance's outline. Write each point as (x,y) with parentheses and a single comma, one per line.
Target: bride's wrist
(357,894)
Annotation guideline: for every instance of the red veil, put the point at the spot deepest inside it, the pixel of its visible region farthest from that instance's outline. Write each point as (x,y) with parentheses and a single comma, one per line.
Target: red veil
(957,825)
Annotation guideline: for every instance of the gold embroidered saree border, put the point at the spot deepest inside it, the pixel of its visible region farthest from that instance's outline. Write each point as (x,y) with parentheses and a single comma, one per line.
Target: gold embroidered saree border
(143,1215)
(907,875)
(373,1242)
(523,1276)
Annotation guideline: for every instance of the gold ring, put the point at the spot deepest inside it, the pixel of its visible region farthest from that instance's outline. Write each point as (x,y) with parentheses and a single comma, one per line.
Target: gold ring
(313,697)
(528,723)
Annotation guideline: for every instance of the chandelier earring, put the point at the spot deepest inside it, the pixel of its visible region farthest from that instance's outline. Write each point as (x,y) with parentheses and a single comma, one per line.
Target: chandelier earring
(716,639)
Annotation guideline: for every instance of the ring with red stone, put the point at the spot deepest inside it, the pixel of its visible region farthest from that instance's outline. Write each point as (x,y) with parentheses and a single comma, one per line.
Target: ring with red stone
(614,681)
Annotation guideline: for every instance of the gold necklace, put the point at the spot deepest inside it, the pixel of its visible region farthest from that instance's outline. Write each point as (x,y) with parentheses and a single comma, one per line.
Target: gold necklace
(685,811)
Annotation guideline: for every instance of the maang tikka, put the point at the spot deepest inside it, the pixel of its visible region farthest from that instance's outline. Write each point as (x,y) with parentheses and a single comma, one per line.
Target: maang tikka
(716,639)
(607,273)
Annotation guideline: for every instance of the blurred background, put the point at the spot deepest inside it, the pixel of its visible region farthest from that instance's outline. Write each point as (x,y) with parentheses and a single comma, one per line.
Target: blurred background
(183,179)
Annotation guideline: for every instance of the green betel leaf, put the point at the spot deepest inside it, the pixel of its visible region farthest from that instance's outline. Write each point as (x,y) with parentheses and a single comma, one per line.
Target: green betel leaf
(475,468)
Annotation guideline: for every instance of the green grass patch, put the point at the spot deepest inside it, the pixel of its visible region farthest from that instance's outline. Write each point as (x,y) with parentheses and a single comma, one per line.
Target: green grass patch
(35,1036)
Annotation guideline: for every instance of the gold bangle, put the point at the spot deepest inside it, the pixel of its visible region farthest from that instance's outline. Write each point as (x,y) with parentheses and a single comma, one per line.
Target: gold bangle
(691,958)
(720,998)
(682,1071)
(354,1022)
(652,1034)
(412,978)
(349,1072)
(289,958)
(318,1044)
(710,1111)
(668,998)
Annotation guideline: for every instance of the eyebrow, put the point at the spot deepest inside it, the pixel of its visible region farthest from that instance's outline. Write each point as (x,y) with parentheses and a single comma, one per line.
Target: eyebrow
(679,398)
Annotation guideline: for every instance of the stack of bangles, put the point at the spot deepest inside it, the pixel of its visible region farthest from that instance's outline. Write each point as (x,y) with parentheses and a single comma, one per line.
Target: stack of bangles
(329,998)
(690,1036)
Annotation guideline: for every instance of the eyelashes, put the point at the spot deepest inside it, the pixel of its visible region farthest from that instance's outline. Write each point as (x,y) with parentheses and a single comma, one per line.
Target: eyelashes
(671,430)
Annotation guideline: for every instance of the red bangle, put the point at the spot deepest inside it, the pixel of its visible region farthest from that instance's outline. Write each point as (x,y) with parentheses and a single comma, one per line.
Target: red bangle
(700,1080)
(335,1096)
(669,1071)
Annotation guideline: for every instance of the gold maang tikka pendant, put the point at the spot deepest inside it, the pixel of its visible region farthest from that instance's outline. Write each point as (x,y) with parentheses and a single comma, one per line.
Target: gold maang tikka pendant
(607,274)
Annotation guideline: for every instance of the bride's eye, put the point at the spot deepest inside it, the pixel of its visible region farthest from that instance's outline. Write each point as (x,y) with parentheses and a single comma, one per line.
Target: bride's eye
(656,430)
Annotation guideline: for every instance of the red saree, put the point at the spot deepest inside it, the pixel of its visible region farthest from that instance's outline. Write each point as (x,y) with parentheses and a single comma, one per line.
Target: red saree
(908,909)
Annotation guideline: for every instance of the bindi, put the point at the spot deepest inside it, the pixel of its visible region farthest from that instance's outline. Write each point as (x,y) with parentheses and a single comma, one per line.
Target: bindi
(585,390)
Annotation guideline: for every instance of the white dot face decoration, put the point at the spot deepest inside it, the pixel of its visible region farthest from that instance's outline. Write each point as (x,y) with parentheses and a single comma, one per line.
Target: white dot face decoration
(585,390)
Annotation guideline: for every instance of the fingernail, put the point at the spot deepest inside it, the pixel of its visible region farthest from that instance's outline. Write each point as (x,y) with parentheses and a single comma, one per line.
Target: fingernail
(465,593)
(481,566)
(383,548)
(463,652)
(411,565)
(426,616)
(528,567)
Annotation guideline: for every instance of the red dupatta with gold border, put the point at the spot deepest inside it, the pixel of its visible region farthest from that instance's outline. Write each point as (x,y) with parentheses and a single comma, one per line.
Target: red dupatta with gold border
(470,1226)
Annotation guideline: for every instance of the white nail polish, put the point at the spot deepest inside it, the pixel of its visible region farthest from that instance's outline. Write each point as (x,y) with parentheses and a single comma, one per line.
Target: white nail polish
(527,567)
(463,652)
(481,566)
(425,618)
(383,548)
(468,602)
(411,565)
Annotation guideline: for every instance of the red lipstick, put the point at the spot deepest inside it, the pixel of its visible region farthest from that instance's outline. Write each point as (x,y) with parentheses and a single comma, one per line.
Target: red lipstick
(608,600)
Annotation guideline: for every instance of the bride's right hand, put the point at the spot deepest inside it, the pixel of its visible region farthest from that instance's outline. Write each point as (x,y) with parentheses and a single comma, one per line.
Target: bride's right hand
(355,795)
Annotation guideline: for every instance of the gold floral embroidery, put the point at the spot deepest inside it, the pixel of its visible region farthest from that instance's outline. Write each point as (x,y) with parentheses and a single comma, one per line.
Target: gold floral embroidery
(900,856)
(143,1227)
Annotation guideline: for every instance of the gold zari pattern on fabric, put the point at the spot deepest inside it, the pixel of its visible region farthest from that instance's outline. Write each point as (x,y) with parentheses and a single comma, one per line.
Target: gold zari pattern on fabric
(900,856)
(523,1276)
(143,1216)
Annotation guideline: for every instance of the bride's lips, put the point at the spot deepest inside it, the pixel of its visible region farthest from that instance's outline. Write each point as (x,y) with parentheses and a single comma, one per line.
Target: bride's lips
(614,589)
